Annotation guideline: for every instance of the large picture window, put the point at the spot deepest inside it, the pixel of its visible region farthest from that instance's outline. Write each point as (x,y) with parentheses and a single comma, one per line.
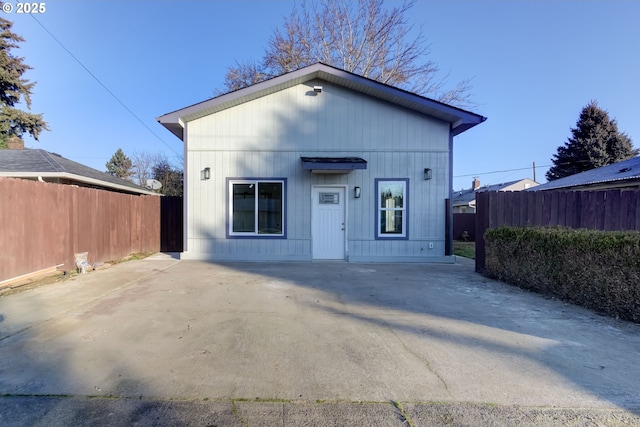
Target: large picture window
(256,207)
(392,206)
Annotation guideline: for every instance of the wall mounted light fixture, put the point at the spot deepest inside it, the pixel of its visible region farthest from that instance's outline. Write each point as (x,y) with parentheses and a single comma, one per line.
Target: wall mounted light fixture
(356,192)
(427,174)
(205,174)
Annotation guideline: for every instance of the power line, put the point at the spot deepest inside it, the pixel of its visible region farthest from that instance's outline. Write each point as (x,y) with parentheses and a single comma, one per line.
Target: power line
(521,169)
(105,87)
(500,171)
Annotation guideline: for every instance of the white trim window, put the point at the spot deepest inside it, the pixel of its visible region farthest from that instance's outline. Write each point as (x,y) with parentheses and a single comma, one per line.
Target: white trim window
(391,208)
(256,208)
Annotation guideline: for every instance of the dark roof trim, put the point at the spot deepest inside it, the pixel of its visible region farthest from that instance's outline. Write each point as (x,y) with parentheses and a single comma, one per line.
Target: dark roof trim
(460,120)
(333,163)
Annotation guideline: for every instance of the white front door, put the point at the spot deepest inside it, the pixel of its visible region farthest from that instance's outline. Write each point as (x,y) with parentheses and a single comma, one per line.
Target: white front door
(328,222)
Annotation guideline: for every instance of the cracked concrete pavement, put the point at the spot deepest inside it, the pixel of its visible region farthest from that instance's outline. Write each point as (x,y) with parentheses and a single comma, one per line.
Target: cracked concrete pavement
(166,342)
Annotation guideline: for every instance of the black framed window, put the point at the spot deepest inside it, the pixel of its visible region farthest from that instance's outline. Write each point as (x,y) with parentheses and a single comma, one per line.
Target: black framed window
(256,207)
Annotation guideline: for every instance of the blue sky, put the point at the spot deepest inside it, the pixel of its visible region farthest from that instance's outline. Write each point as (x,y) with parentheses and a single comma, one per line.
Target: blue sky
(534,65)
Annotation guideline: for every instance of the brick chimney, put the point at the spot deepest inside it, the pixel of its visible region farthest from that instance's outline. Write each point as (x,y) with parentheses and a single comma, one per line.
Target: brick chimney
(475,184)
(15,143)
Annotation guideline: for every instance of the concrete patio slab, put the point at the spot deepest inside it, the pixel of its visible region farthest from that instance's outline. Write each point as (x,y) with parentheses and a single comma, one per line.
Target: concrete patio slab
(309,341)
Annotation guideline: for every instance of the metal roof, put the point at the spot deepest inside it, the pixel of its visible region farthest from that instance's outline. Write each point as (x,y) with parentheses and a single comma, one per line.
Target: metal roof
(625,170)
(459,119)
(34,163)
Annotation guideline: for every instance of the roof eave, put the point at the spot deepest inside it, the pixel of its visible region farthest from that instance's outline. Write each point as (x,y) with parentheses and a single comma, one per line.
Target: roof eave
(631,180)
(464,125)
(460,120)
(79,178)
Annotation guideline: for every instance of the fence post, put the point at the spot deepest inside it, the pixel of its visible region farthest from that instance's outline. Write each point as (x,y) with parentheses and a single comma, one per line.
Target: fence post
(482,223)
(448,226)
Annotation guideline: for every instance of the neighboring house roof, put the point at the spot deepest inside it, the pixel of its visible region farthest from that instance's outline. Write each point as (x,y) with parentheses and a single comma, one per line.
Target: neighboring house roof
(621,174)
(466,197)
(37,163)
(459,119)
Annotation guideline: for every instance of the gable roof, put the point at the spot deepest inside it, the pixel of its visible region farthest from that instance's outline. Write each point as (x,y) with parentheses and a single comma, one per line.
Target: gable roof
(459,119)
(34,163)
(464,197)
(469,195)
(626,170)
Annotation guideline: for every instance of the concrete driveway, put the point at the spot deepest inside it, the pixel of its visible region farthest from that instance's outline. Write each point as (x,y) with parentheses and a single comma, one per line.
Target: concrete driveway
(167,342)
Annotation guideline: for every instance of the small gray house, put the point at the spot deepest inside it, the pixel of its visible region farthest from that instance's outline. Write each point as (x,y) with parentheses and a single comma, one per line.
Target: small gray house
(317,164)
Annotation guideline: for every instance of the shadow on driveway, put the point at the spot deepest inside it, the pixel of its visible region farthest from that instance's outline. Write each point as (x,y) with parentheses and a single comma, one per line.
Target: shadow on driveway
(284,335)
(485,341)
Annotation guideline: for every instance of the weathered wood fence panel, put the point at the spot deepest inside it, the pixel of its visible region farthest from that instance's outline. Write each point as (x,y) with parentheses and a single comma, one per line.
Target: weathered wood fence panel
(42,225)
(600,210)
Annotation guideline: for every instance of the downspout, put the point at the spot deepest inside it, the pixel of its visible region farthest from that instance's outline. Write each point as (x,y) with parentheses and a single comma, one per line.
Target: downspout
(449,242)
(185,188)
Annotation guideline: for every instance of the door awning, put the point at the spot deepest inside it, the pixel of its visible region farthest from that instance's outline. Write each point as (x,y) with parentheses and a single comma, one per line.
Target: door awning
(335,165)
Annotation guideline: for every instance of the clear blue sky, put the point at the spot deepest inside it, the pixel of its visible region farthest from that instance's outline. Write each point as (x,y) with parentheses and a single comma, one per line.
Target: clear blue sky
(534,65)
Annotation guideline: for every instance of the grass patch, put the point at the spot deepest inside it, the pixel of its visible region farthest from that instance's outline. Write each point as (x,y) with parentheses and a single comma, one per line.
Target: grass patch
(464,249)
(403,415)
(262,400)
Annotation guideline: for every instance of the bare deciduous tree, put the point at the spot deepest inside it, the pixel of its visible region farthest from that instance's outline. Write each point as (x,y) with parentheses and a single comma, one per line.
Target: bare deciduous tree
(362,37)
(142,167)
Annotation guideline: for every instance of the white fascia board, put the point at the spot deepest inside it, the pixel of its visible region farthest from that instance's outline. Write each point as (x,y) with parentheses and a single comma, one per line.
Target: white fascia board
(79,178)
(459,119)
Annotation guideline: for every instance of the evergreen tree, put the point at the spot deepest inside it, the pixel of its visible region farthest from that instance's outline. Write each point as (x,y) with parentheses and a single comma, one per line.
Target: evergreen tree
(120,165)
(595,142)
(13,89)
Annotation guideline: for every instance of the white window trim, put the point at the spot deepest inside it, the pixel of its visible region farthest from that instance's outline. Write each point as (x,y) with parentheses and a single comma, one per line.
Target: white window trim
(404,209)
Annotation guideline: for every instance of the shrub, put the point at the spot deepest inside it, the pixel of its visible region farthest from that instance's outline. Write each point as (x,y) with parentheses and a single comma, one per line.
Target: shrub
(596,269)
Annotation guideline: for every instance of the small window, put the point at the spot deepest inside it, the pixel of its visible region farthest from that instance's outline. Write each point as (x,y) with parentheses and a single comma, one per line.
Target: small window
(329,198)
(256,207)
(391,208)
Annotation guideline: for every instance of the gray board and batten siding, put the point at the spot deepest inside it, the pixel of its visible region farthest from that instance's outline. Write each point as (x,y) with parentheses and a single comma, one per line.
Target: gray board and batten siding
(266,136)
(288,125)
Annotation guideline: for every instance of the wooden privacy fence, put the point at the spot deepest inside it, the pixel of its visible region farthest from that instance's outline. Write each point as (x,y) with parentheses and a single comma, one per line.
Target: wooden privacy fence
(171,229)
(464,222)
(600,210)
(42,225)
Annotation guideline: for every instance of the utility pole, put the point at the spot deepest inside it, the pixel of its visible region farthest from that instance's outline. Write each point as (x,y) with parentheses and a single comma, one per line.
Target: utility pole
(534,171)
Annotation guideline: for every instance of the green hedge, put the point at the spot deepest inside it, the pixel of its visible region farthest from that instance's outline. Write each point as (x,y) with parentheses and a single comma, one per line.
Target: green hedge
(596,269)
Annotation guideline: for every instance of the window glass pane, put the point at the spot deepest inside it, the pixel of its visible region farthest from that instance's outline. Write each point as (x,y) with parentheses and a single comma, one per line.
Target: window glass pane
(391,195)
(244,207)
(391,208)
(269,208)
(390,222)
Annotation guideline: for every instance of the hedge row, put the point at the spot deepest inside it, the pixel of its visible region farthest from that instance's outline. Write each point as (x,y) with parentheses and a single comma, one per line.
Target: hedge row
(596,269)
